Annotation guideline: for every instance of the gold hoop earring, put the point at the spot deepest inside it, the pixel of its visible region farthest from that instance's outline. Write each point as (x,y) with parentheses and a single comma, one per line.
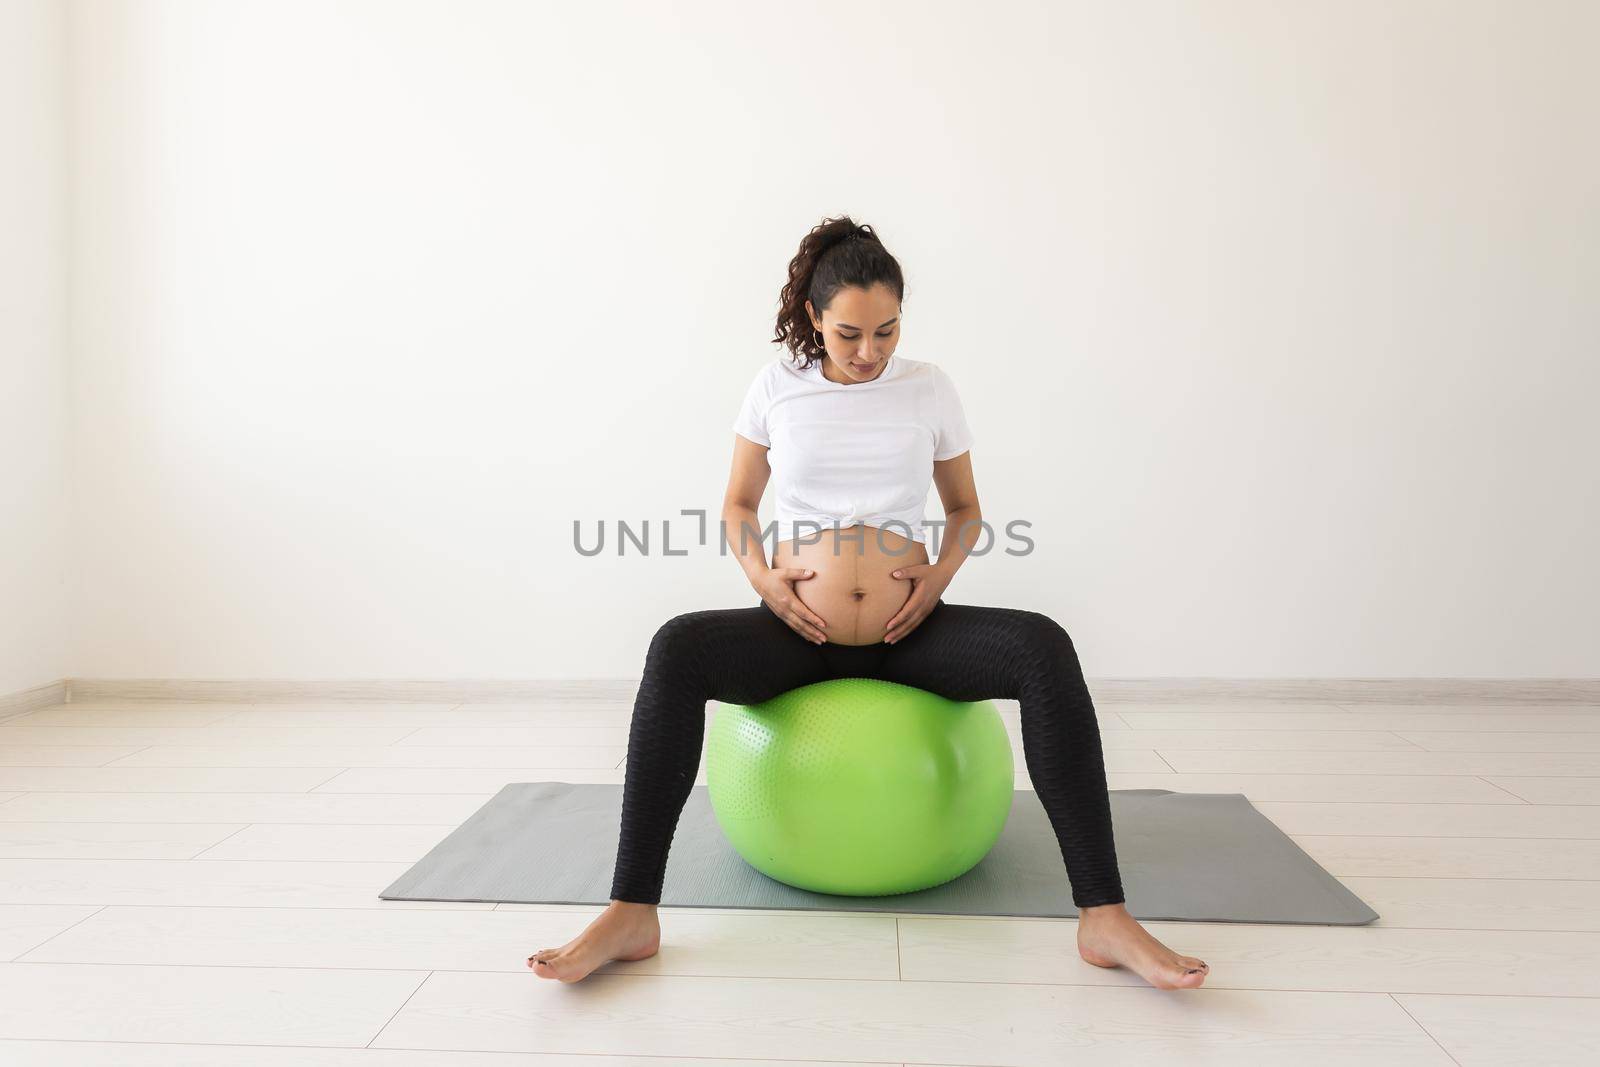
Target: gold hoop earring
(819,340)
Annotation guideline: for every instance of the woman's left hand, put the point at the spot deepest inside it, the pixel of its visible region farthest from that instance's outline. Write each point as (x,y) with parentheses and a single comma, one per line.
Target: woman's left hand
(928,583)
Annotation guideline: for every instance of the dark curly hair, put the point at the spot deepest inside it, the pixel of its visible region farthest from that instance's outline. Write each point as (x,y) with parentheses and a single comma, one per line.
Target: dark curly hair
(836,253)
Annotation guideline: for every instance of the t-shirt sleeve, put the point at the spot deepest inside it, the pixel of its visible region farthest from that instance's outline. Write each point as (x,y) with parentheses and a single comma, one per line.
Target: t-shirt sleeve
(752,420)
(952,435)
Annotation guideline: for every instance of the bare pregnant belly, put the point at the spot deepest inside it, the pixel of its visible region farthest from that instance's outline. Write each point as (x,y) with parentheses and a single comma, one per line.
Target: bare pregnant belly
(853,590)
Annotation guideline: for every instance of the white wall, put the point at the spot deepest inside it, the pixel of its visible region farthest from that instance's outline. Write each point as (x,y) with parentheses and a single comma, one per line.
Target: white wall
(33,419)
(1277,321)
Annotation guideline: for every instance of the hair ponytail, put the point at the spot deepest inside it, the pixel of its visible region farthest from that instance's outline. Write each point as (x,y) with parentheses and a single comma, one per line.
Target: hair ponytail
(836,253)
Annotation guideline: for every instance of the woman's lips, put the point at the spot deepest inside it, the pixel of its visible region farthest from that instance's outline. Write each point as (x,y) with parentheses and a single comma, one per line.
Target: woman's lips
(864,368)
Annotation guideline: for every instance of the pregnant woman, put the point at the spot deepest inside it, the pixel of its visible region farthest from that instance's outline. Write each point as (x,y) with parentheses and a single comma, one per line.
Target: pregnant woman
(850,436)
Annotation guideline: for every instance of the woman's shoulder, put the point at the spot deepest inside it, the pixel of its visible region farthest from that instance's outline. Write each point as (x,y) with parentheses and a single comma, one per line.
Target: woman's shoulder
(782,372)
(764,376)
(922,370)
(933,378)
(909,366)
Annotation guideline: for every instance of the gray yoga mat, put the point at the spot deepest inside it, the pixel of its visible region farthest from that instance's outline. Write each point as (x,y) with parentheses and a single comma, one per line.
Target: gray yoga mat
(1202,857)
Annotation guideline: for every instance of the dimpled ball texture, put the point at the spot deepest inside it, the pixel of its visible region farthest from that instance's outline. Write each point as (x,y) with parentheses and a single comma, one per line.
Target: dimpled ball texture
(860,787)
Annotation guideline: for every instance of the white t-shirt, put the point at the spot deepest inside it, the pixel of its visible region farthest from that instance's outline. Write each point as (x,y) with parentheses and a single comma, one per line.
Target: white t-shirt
(858,453)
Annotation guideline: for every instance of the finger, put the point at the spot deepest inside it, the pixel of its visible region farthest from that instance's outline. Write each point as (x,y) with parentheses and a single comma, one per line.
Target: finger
(907,610)
(801,627)
(798,607)
(907,627)
(810,616)
(798,574)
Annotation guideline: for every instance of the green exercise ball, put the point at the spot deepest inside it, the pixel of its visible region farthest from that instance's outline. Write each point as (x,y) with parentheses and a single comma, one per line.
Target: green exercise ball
(860,787)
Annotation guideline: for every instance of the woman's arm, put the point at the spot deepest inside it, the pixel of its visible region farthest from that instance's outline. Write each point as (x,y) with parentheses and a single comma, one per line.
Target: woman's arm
(746,484)
(774,584)
(962,515)
(963,519)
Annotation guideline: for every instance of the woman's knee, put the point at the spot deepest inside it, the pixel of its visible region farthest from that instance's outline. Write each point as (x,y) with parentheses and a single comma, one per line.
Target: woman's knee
(1043,641)
(678,636)
(705,644)
(1035,627)
(679,626)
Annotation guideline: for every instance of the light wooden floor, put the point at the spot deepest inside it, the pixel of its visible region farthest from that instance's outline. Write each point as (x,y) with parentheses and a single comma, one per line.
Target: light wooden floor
(190,883)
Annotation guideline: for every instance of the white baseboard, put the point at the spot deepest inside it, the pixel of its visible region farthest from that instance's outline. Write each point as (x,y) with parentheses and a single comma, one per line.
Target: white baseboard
(40,696)
(1110,690)
(1475,691)
(398,690)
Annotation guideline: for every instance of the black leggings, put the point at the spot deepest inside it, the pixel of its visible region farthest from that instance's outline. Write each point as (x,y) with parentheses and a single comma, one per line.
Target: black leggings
(960,651)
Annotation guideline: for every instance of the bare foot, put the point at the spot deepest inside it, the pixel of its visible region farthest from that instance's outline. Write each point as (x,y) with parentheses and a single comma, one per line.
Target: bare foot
(1109,937)
(624,931)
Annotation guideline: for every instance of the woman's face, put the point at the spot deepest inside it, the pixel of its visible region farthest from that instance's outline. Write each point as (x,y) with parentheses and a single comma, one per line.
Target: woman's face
(860,330)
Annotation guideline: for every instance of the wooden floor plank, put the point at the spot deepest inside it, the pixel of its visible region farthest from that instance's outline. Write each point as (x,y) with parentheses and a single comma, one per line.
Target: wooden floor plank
(1480,1031)
(995,1025)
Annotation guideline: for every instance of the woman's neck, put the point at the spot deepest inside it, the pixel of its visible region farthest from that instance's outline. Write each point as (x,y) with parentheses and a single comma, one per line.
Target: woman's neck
(826,363)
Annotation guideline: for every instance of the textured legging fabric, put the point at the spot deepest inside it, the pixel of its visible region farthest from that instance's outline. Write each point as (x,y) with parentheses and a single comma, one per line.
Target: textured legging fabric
(960,651)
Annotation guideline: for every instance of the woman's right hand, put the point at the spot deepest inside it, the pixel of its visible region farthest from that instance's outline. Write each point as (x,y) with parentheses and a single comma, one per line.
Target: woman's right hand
(776,586)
